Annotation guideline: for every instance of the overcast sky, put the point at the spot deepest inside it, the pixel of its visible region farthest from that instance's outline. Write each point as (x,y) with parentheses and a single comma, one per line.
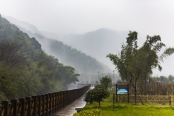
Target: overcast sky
(148,17)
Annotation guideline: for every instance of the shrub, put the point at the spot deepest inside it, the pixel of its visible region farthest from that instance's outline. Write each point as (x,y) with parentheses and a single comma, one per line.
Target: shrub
(93,112)
(97,94)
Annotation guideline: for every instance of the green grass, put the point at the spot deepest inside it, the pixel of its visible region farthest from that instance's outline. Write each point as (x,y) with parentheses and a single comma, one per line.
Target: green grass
(123,109)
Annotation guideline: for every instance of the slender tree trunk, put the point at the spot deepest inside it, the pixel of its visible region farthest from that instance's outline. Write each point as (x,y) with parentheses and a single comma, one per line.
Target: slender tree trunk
(135,90)
(145,93)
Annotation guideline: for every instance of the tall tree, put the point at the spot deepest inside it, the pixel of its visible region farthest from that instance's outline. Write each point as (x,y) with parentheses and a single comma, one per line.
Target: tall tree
(105,82)
(134,64)
(9,53)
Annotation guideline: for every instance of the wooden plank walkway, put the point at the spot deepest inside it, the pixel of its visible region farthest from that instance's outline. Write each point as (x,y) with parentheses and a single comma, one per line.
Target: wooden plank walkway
(70,109)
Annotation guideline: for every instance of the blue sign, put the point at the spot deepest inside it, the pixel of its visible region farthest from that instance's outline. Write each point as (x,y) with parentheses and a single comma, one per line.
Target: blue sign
(122,91)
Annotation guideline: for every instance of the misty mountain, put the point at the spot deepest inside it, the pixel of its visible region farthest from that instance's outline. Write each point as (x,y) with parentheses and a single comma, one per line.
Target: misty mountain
(96,43)
(70,56)
(25,68)
(87,66)
(26,27)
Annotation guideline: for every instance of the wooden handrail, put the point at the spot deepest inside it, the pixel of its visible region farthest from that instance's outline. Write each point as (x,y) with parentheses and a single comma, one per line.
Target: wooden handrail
(41,105)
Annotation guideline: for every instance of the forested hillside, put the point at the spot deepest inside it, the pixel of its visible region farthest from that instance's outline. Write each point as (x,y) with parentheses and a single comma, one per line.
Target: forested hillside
(25,69)
(87,66)
(97,43)
(71,56)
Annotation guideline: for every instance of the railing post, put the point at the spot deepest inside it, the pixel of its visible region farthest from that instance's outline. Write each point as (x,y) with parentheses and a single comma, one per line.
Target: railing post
(57,103)
(59,100)
(171,100)
(39,105)
(50,103)
(22,100)
(64,99)
(51,95)
(35,105)
(47,104)
(54,102)
(43,105)
(5,104)
(14,102)
(29,106)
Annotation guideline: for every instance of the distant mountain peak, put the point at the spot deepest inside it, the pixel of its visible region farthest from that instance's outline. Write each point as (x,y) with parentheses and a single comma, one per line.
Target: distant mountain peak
(22,24)
(104,29)
(101,30)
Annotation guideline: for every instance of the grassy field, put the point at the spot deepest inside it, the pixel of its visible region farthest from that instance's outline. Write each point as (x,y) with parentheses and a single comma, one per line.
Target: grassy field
(121,109)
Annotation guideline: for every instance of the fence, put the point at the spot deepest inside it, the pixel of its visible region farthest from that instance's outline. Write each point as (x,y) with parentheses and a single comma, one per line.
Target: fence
(160,99)
(41,105)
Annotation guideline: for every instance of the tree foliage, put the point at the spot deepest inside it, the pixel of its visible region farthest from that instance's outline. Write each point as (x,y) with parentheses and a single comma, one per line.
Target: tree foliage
(136,63)
(84,64)
(161,85)
(97,95)
(25,69)
(105,82)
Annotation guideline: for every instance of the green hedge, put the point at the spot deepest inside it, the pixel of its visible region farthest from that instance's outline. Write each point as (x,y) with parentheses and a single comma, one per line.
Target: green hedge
(93,112)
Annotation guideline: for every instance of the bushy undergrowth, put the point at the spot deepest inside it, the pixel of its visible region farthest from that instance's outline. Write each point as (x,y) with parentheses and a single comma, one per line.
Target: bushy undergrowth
(93,112)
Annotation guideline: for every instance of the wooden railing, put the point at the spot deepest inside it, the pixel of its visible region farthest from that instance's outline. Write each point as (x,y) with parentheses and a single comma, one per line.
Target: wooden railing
(41,105)
(159,99)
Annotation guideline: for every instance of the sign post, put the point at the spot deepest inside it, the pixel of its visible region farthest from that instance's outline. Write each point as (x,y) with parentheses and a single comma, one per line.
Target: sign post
(122,90)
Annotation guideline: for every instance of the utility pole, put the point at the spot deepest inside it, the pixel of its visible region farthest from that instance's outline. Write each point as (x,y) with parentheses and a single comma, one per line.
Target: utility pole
(114,80)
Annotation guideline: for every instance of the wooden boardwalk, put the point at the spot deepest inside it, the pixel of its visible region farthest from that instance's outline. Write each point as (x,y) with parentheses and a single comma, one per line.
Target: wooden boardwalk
(51,104)
(70,109)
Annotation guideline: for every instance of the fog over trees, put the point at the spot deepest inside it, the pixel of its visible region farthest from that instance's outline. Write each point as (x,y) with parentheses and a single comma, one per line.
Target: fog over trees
(49,46)
(26,69)
(84,19)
